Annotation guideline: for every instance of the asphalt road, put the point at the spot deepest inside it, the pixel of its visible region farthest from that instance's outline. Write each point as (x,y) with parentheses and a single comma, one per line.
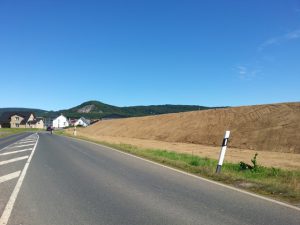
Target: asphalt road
(12,138)
(70,182)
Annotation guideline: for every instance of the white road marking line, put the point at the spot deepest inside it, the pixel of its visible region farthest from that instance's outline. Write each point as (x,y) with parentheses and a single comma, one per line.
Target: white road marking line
(8,146)
(21,144)
(13,160)
(28,139)
(195,176)
(10,204)
(18,146)
(24,142)
(14,152)
(9,176)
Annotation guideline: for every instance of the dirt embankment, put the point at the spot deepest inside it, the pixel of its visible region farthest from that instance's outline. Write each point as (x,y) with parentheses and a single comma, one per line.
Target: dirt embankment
(263,127)
(274,127)
(273,130)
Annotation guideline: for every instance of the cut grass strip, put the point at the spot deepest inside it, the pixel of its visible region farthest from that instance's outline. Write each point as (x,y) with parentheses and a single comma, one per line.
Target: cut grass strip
(272,182)
(4,132)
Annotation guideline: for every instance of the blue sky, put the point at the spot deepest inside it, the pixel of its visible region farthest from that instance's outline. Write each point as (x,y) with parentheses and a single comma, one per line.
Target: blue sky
(58,54)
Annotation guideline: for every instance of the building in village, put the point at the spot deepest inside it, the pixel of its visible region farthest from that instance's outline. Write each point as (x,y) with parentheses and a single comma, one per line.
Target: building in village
(21,120)
(82,122)
(60,122)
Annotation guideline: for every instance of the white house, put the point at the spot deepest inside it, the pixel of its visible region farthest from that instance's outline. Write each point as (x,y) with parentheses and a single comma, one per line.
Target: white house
(60,122)
(82,122)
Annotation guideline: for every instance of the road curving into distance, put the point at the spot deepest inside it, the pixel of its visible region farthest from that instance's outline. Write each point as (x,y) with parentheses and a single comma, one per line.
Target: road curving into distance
(75,182)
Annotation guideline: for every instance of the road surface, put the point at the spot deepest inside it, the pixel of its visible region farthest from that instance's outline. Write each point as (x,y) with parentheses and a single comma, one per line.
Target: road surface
(71,182)
(12,138)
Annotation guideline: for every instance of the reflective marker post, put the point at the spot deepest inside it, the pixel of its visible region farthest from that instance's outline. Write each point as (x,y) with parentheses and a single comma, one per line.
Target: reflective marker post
(223,151)
(74,132)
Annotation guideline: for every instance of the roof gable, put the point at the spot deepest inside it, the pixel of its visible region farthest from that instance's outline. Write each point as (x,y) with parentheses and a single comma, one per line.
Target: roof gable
(6,116)
(86,121)
(61,117)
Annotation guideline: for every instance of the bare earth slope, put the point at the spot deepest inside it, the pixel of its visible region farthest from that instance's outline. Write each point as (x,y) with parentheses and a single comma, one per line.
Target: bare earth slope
(273,127)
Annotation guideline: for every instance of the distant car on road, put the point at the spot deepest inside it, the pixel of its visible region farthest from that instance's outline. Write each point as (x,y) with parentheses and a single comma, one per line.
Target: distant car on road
(49,128)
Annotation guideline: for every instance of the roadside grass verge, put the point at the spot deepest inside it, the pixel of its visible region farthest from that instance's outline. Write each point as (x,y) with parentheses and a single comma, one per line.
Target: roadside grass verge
(4,132)
(272,182)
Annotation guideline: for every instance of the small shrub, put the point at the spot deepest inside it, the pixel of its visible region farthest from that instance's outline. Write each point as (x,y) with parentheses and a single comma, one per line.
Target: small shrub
(255,166)
(194,162)
(245,166)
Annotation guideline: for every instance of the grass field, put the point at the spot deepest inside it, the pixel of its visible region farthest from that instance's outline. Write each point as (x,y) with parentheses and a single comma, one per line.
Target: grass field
(273,182)
(4,132)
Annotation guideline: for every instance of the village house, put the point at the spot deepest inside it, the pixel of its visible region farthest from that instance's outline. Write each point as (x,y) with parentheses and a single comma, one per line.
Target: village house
(60,122)
(82,122)
(21,120)
(72,122)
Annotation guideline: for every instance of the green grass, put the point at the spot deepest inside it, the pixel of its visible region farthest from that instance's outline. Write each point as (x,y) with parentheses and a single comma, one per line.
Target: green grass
(272,182)
(4,132)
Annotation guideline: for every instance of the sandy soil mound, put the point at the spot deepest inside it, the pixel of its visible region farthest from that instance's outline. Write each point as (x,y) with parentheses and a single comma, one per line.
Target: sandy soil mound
(274,127)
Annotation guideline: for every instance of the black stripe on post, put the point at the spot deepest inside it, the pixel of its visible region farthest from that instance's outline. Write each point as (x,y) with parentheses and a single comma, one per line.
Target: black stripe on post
(225,140)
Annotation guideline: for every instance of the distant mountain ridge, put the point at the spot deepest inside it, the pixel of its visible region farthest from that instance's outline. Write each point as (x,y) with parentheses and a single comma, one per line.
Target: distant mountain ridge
(97,109)
(16,109)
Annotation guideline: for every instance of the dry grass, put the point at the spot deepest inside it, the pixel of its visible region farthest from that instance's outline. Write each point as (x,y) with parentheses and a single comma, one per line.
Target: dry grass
(261,128)
(4,132)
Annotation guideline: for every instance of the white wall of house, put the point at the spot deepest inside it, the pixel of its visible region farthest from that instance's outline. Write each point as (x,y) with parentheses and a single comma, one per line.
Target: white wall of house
(60,122)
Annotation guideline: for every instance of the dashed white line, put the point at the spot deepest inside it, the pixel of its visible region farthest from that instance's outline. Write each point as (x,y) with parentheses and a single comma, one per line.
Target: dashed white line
(13,160)
(10,204)
(9,176)
(15,152)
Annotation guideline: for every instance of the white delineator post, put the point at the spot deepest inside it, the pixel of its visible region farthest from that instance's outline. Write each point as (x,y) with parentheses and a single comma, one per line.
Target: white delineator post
(223,151)
(75,132)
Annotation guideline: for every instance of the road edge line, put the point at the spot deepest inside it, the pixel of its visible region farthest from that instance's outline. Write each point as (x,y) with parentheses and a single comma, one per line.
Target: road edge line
(195,176)
(10,204)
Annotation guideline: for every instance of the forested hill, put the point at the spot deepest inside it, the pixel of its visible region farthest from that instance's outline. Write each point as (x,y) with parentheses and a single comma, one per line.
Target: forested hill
(96,109)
